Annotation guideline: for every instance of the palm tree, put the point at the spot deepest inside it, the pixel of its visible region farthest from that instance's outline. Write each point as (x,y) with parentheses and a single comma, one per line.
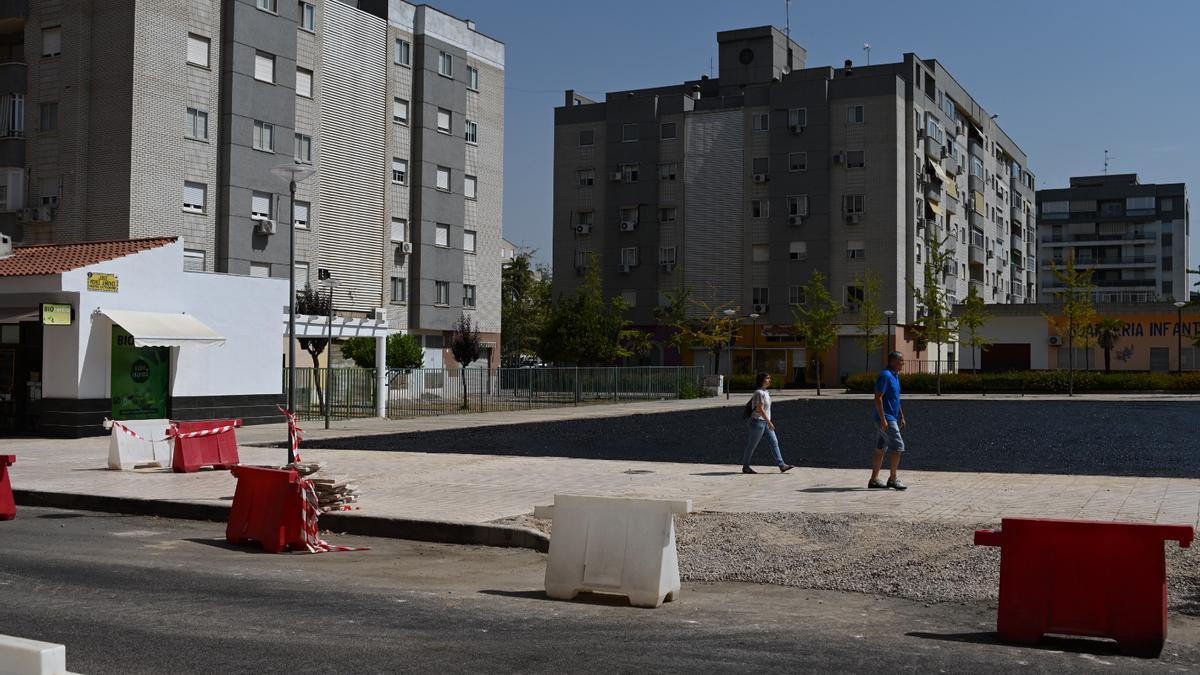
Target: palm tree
(1108,334)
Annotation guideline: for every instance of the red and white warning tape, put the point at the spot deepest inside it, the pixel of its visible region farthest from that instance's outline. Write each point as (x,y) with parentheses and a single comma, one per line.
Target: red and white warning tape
(311,535)
(173,431)
(296,432)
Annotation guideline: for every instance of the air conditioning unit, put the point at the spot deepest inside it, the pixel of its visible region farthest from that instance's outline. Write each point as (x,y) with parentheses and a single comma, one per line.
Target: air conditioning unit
(628,225)
(761,309)
(853,219)
(958,130)
(795,220)
(796,128)
(837,158)
(404,247)
(264,226)
(1056,340)
(45,214)
(27,215)
(625,268)
(667,266)
(583,228)
(945,153)
(615,176)
(762,177)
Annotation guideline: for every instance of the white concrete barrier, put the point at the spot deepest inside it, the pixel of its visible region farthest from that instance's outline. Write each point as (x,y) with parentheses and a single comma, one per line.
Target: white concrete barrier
(19,656)
(620,545)
(126,451)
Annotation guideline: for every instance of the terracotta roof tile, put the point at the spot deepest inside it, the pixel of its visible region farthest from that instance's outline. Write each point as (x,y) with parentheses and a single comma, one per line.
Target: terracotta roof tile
(30,261)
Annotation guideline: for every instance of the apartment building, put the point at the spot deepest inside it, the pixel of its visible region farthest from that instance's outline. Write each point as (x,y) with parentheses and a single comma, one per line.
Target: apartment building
(740,186)
(138,118)
(1132,236)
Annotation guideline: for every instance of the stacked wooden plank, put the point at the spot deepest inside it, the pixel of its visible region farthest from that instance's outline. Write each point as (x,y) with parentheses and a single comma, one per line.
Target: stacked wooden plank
(334,493)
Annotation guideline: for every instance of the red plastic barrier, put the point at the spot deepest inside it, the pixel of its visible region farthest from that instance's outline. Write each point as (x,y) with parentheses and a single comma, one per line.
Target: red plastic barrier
(1078,577)
(8,507)
(218,449)
(268,507)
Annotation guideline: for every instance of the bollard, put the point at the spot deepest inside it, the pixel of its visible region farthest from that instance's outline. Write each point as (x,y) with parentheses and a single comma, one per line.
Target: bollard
(8,506)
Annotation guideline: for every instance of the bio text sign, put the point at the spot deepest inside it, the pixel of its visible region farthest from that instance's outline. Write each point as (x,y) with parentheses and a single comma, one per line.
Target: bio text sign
(57,314)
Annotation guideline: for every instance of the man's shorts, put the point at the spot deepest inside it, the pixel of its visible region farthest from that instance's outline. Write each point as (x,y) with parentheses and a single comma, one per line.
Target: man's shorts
(891,440)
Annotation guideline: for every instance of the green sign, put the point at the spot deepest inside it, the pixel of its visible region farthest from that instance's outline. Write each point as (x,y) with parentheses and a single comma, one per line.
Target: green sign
(141,379)
(55,314)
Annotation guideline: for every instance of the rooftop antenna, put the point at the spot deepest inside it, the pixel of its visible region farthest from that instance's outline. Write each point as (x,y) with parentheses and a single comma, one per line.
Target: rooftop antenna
(1107,157)
(867,49)
(787,11)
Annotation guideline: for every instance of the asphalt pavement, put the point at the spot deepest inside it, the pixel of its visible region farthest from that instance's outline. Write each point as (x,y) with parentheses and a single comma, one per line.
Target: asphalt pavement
(132,594)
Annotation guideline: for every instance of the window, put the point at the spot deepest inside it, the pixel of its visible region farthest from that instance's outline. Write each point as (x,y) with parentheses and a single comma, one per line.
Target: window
(470,187)
(797,205)
(303,149)
(587,137)
(441,235)
(587,177)
(855,159)
(399,111)
(856,114)
(304,79)
(797,118)
(667,214)
(798,250)
(469,238)
(629,214)
(1140,205)
(629,256)
(585,217)
(399,230)
(301,272)
(472,78)
(264,136)
(1168,263)
(264,67)
(194,196)
(761,164)
(667,255)
(1168,240)
(445,64)
(1056,209)
(797,161)
(854,298)
(666,131)
(48,190)
(468,295)
(1166,204)
(443,120)
(266,5)
(300,215)
(308,16)
(629,173)
(197,50)
(48,116)
(760,295)
(1168,289)
(399,171)
(443,179)
(399,290)
(856,250)
(441,293)
(472,134)
(667,171)
(403,55)
(194,260)
(760,208)
(760,253)
(853,203)
(761,121)
(795,295)
(629,133)
(260,270)
(52,41)
(260,205)
(196,124)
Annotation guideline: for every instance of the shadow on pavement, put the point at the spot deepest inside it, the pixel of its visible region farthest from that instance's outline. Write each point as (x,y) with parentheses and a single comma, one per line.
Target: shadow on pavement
(221,543)
(825,489)
(718,473)
(605,599)
(60,516)
(1049,643)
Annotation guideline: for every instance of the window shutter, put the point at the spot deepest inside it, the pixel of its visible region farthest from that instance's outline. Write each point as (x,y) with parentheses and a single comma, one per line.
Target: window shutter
(301,209)
(260,204)
(197,50)
(304,83)
(193,193)
(51,41)
(264,68)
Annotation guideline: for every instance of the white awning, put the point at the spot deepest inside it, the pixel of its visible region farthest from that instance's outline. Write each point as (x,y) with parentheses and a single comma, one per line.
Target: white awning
(162,329)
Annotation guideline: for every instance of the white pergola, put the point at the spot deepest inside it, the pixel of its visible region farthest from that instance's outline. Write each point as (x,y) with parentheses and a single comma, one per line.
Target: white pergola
(315,326)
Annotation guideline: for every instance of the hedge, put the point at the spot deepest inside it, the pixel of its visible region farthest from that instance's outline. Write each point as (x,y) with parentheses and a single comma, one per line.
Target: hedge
(1035,381)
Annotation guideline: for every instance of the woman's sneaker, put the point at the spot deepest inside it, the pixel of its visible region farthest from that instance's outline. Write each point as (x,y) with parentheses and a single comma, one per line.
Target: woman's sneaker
(876,484)
(895,484)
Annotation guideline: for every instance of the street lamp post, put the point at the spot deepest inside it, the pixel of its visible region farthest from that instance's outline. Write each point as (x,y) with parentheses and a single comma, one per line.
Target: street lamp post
(889,313)
(324,276)
(1179,305)
(728,313)
(754,343)
(293,173)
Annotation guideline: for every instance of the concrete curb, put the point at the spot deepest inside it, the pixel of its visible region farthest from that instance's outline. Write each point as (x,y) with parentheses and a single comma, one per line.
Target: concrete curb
(433,531)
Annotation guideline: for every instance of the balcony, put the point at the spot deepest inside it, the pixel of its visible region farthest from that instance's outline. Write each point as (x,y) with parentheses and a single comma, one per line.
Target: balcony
(1063,239)
(952,166)
(976,255)
(950,204)
(933,148)
(1017,214)
(1106,261)
(1108,283)
(14,9)
(976,183)
(1018,289)
(1031,247)
(1017,243)
(934,192)
(975,285)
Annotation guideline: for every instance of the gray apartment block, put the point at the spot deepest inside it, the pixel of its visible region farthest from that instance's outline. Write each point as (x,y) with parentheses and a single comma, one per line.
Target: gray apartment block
(1132,236)
(739,186)
(136,118)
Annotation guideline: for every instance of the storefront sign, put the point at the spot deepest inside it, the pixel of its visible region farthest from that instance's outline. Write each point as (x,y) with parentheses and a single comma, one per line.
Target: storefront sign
(141,378)
(102,281)
(57,314)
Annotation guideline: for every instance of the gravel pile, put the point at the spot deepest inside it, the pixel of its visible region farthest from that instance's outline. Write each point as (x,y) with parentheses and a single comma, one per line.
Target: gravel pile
(922,561)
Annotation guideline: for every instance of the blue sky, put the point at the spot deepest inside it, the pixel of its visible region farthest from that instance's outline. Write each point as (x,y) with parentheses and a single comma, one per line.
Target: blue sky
(1068,78)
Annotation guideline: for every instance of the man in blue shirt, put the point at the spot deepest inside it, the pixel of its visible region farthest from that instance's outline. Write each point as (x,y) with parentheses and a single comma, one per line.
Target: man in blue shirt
(889,420)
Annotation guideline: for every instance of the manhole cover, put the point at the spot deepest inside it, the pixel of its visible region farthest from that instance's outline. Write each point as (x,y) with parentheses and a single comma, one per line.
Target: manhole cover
(636,471)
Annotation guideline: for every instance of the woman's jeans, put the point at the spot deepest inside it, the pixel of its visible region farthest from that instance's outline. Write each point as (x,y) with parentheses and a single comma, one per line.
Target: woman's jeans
(759,428)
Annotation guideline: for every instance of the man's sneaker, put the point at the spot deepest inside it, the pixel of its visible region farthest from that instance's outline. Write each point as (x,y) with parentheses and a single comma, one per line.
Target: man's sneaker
(877,484)
(895,484)
(784,468)
(747,469)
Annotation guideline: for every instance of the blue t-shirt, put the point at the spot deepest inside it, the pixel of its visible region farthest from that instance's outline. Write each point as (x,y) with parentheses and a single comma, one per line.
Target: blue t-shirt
(888,384)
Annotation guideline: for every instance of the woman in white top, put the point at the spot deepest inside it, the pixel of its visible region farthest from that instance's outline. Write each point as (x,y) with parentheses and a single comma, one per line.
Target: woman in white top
(761,424)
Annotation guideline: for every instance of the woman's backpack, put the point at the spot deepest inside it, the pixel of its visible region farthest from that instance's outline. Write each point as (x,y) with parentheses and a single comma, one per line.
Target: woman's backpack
(748,410)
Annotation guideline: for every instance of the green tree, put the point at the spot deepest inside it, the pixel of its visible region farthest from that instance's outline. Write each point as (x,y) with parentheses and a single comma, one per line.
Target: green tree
(403,351)
(1108,334)
(311,302)
(816,321)
(937,326)
(524,304)
(466,347)
(584,327)
(870,316)
(973,317)
(1078,312)
(695,323)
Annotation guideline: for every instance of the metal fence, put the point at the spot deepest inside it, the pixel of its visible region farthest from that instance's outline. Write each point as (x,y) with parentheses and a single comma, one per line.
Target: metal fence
(440,391)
